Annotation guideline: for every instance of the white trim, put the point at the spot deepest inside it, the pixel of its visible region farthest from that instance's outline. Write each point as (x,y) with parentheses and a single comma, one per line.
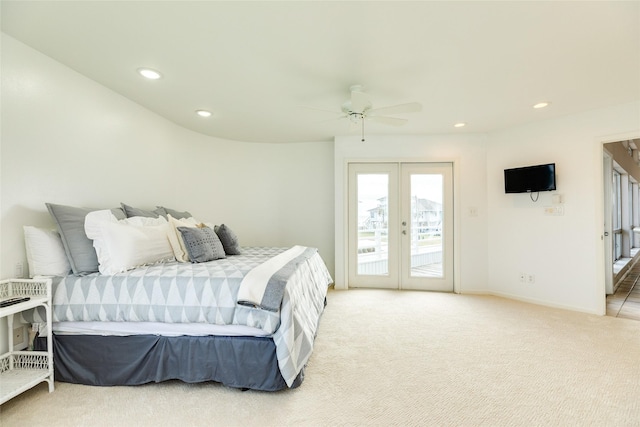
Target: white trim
(606,221)
(457,213)
(541,302)
(600,287)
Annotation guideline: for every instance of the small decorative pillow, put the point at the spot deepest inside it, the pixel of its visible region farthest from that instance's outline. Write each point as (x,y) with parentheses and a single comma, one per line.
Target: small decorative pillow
(45,252)
(202,244)
(175,237)
(229,239)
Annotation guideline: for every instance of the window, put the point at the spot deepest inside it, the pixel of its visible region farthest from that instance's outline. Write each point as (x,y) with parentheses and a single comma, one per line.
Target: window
(617,215)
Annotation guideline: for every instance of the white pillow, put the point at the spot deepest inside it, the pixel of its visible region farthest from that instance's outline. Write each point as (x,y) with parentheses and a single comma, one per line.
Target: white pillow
(129,243)
(92,223)
(175,237)
(45,252)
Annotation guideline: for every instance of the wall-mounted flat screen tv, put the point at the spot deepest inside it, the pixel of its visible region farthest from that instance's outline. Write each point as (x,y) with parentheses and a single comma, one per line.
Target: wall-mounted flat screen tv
(530,179)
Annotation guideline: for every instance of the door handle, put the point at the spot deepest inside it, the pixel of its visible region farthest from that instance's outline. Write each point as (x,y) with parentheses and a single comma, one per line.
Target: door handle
(606,234)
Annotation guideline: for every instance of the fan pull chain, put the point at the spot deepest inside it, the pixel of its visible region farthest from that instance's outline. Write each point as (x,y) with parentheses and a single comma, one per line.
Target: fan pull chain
(362,120)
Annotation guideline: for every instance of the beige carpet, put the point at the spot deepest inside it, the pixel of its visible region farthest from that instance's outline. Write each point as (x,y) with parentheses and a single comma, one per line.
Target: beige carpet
(400,358)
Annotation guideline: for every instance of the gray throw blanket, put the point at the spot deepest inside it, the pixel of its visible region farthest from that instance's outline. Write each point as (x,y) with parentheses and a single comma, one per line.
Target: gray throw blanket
(263,287)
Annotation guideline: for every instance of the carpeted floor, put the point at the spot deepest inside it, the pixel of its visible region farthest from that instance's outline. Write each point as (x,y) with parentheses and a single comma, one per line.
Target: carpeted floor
(400,358)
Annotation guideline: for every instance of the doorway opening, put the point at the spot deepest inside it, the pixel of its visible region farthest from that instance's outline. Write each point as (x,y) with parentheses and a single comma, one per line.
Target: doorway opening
(621,236)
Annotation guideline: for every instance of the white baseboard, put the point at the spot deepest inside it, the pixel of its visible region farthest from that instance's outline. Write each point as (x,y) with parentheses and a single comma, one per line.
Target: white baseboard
(543,302)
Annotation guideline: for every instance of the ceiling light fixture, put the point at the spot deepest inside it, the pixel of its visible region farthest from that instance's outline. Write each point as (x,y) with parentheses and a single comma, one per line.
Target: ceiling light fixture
(149,73)
(203,113)
(541,105)
(459,125)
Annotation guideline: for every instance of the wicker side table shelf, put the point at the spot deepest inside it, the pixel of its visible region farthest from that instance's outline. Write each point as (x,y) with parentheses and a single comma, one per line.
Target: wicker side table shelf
(22,370)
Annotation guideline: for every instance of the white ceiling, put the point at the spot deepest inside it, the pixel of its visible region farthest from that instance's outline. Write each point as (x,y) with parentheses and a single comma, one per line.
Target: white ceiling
(257,65)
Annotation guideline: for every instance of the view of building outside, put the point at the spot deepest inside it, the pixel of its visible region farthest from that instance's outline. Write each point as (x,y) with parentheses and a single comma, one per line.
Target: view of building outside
(425,224)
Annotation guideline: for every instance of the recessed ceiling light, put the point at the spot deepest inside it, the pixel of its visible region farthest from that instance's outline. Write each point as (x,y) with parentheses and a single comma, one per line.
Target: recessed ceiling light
(541,104)
(459,125)
(149,73)
(203,113)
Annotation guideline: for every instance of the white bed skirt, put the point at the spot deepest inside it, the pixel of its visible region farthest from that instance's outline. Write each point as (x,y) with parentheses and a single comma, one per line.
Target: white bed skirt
(154,328)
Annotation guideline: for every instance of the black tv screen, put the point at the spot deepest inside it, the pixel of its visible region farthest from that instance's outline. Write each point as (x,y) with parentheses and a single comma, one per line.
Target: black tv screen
(530,179)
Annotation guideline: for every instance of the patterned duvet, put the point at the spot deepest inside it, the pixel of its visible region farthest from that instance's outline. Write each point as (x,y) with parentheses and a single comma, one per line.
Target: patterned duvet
(175,292)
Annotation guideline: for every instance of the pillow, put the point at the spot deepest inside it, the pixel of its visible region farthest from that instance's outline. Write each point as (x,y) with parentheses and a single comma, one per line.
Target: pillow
(175,237)
(173,213)
(92,229)
(131,212)
(78,247)
(229,239)
(202,244)
(45,252)
(129,243)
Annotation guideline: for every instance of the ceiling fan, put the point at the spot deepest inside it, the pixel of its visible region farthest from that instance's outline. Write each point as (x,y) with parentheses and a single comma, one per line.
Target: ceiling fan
(359,108)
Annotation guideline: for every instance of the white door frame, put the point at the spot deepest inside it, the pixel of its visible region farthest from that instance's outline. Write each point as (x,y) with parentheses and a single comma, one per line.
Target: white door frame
(395,278)
(341,214)
(444,283)
(598,183)
(607,234)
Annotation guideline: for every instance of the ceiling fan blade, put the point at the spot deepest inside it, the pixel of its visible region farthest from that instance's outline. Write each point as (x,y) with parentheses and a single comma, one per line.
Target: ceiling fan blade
(411,107)
(335,119)
(359,101)
(323,110)
(393,121)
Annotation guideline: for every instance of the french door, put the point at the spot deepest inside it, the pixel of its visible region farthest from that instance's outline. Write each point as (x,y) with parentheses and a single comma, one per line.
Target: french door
(400,226)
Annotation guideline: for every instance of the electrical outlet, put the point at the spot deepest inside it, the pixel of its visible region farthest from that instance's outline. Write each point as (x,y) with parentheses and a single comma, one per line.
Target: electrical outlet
(531,278)
(17,335)
(556,210)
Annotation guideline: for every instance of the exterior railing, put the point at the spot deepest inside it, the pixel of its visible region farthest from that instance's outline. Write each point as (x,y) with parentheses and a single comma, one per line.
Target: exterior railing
(377,263)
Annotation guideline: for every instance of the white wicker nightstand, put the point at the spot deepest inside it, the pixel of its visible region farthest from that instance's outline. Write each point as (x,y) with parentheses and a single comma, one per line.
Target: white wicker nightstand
(22,370)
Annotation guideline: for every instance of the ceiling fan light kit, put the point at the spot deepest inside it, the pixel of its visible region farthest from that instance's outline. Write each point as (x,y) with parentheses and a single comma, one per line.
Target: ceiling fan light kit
(359,108)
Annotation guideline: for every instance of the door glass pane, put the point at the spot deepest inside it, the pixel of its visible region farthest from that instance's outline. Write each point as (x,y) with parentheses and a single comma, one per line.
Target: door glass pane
(617,202)
(373,215)
(426,225)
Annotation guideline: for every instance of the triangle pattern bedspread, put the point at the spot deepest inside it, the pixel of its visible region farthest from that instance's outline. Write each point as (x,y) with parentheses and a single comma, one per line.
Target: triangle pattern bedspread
(175,292)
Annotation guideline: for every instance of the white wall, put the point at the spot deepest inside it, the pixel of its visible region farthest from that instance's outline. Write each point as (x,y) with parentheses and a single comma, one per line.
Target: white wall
(468,154)
(69,140)
(565,253)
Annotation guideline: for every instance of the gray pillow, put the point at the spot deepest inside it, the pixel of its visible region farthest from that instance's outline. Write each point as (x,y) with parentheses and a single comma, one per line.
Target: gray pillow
(131,211)
(173,213)
(78,247)
(202,244)
(228,238)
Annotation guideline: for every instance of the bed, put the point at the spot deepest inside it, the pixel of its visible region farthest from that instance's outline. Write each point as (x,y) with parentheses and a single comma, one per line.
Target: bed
(246,319)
